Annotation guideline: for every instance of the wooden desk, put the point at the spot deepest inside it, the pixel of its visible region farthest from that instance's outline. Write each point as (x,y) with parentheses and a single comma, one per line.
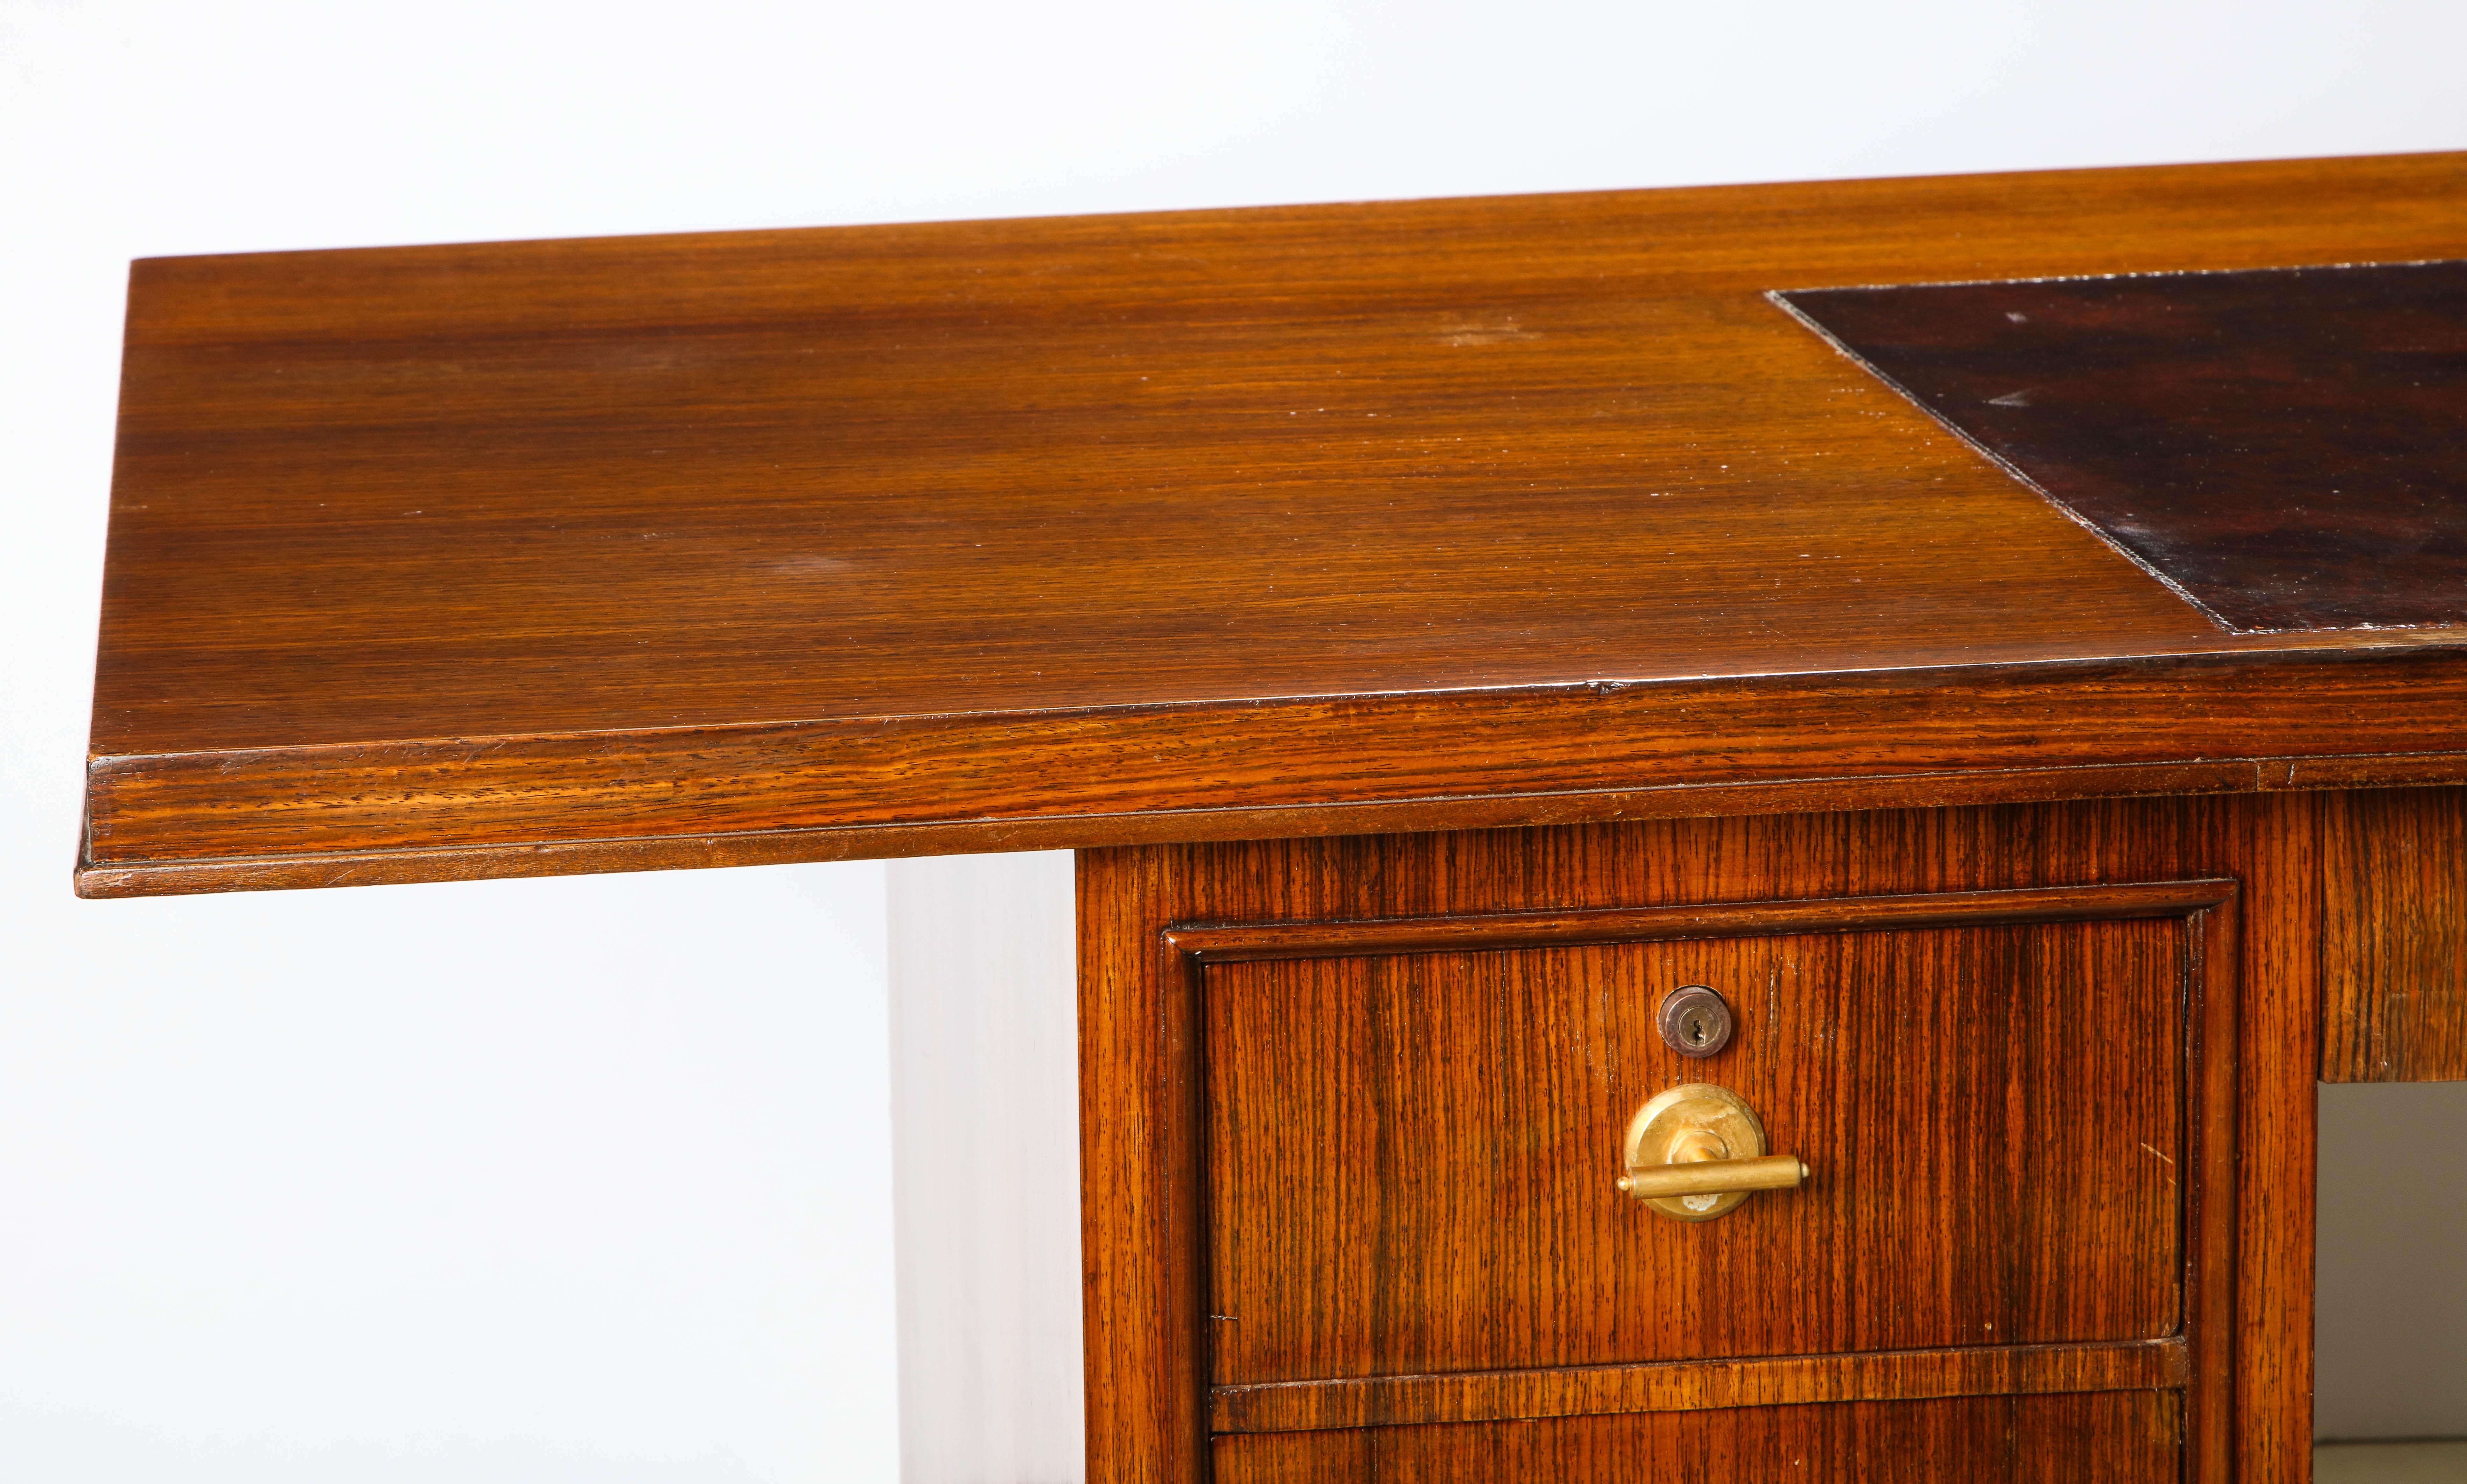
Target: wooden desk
(1445,628)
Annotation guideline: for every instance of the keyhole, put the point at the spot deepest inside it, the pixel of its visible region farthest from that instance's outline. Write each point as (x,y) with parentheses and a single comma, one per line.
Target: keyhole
(1695,1020)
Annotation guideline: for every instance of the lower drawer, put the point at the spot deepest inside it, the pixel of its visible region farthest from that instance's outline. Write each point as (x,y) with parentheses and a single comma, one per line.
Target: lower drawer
(2107,1437)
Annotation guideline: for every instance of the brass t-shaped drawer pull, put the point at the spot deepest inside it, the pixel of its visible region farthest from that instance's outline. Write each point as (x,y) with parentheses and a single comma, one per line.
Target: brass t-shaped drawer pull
(1697,1151)
(1715,1176)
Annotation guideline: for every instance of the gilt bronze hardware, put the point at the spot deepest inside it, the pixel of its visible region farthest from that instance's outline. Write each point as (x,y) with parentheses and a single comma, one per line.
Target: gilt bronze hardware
(1697,1151)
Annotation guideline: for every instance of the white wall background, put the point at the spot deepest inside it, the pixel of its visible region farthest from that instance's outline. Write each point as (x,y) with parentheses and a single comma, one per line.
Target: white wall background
(985,1119)
(589,1179)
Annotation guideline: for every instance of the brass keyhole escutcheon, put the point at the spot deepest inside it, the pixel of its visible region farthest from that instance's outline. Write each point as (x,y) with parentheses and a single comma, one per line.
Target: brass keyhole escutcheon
(1697,1151)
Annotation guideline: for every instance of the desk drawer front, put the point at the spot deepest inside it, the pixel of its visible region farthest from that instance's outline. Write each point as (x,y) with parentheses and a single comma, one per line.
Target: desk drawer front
(1357,1115)
(1410,1154)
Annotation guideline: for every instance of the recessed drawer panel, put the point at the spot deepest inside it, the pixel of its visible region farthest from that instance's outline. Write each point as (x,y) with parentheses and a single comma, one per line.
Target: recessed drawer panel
(2114,1437)
(1412,1144)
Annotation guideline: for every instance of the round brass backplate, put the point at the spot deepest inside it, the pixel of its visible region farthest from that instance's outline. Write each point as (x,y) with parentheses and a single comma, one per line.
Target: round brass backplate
(1694,1120)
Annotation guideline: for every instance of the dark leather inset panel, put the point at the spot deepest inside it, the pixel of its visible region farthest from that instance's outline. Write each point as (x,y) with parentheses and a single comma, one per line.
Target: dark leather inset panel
(2287,447)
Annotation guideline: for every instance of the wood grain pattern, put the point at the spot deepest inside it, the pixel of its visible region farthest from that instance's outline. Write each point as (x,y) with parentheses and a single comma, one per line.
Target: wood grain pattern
(2279,444)
(1411,1158)
(2276,846)
(1139,1154)
(836,843)
(1256,942)
(2248,1316)
(585,555)
(2395,936)
(1298,768)
(1691,1385)
(2113,1437)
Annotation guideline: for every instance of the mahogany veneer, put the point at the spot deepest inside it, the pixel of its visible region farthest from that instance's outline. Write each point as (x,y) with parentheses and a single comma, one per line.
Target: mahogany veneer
(633,552)
(1444,627)
(2102,1438)
(1985,1029)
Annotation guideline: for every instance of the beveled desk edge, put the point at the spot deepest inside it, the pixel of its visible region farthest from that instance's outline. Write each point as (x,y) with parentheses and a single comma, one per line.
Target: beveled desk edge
(470,808)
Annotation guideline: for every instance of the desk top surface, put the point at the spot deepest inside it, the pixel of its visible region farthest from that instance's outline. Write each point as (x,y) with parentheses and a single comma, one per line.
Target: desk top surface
(633,552)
